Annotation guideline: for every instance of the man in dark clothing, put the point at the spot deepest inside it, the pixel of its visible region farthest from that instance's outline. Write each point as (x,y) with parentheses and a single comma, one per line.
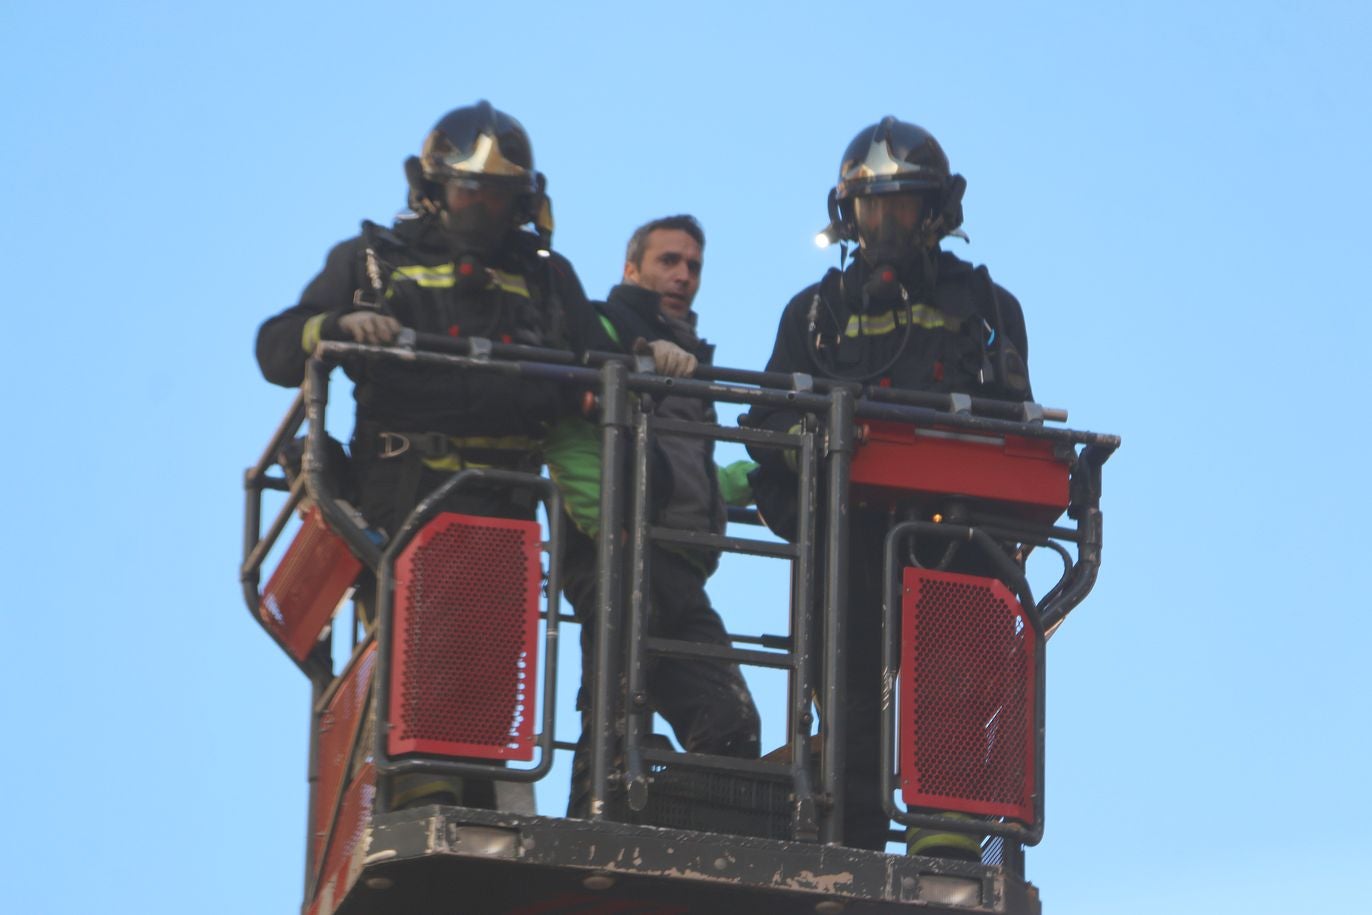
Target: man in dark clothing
(908,315)
(461,263)
(707,703)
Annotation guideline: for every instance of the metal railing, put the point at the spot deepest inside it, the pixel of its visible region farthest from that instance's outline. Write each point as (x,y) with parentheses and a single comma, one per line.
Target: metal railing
(824,447)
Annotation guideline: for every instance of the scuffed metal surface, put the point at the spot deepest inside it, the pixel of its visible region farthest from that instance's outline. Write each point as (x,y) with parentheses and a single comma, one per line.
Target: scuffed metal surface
(421,853)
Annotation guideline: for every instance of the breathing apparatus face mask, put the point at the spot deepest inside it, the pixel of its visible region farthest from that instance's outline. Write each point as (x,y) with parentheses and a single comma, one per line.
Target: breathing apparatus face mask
(894,229)
(476,216)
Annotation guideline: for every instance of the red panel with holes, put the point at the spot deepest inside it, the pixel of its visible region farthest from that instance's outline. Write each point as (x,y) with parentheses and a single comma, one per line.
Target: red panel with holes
(353,818)
(307,586)
(968,689)
(1025,477)
(465,639)
(338,750)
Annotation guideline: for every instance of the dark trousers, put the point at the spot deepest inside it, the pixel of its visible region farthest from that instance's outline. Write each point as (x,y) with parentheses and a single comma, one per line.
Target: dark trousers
(706,702)
(865,824)
(390,489)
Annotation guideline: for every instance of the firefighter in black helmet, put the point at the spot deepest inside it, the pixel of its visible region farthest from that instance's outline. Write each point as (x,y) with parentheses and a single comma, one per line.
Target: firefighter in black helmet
(905,314)
(471,257)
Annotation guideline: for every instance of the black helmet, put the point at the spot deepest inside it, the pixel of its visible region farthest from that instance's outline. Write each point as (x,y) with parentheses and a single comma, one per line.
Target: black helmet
(480,143)
(480,147)
(896,157)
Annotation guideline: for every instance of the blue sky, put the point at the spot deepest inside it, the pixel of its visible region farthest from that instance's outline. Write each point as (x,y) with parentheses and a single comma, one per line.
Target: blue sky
(1177,193)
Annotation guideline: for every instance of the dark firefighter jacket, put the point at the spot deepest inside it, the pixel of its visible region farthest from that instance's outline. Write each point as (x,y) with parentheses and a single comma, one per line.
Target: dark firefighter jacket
(962,337)
(528,299)
(692,491)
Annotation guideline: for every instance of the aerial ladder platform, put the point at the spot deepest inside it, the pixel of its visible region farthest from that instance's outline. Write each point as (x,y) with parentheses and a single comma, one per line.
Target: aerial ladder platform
(450,670)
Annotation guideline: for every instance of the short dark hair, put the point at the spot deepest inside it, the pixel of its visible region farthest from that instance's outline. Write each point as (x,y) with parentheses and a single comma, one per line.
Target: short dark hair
(639,240)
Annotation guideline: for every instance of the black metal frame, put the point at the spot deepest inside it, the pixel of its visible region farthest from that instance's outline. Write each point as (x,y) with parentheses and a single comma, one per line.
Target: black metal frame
(795,654)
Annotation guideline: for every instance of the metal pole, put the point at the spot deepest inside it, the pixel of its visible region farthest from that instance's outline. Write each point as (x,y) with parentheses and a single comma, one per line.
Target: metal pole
(636,707)
(805,825)
(835,729)
(614,406)
(316,392)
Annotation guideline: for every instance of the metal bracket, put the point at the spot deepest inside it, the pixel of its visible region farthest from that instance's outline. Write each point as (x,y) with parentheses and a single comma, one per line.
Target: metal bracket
(481,348)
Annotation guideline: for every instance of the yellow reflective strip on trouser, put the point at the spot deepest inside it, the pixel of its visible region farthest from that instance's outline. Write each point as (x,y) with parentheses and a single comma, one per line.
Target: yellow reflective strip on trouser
(919,841)
(409,790)
(456,462)
(876,325)
(309,337)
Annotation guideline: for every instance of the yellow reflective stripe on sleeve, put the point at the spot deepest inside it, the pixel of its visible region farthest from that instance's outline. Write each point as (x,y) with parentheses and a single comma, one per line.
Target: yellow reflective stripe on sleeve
(309,337)
(878,324)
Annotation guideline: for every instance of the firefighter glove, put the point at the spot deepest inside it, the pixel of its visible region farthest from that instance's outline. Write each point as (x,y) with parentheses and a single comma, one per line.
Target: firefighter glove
(668,358)
(369,327)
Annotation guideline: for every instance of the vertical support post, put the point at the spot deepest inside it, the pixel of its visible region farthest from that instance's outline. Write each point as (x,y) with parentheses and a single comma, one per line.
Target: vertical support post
(636,705)
(312,840)
(804,821)
(316,391)
(835,649)
(614,421)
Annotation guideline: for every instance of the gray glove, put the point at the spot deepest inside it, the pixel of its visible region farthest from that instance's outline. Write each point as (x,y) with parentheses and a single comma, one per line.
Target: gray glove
(369,327)
(668,358)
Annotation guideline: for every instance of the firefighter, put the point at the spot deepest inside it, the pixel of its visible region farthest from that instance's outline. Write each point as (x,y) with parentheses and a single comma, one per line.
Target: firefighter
(905,314)
(706,702)
(463,261)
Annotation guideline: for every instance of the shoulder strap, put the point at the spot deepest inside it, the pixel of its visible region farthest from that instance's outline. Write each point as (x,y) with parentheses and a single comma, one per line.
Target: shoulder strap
(376,275)
(1009,369)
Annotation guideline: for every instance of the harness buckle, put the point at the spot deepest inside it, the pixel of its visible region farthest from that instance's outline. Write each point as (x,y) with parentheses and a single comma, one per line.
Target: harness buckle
(393,445)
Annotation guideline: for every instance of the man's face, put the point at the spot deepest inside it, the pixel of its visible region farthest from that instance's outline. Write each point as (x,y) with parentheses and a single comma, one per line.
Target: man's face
(671,268)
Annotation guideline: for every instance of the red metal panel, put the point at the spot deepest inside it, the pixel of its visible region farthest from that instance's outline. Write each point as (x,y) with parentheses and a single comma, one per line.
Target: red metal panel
(967,696)
(338,728)
(353,820)
(1023,475)
(465,639)
(307,586)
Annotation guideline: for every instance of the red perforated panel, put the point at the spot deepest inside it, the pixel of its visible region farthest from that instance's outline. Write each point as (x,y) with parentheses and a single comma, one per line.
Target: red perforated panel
(307,586)
(969,663)
(352,825)
(465,639)
(1024,477)
(338,727)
